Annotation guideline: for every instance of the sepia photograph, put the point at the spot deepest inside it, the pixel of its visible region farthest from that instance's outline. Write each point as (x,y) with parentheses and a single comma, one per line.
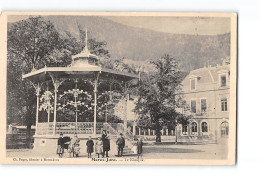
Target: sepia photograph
(146,88)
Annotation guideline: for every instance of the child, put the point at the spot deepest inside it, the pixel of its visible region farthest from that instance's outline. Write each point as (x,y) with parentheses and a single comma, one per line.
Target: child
(77,149)
(99,147)
(90,145)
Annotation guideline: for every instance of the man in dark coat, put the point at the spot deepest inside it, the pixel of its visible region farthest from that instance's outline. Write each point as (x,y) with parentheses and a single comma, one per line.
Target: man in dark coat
(90,146)
(139,147)
(106,144)
(120,145)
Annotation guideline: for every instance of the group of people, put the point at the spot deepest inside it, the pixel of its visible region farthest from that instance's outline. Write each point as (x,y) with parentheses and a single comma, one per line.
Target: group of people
(71,144)
(102,145)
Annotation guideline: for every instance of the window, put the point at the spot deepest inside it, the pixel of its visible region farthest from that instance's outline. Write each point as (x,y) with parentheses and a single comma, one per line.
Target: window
(184,129)
(193,106)
(223,80)
(204,127)
(203,105)
(224,104)
(192,84)
(224,127)
(194,127)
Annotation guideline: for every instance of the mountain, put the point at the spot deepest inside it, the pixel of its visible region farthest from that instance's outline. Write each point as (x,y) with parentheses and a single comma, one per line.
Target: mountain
(141,44)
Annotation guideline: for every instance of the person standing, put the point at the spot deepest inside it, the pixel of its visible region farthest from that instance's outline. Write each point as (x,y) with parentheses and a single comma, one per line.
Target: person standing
(90,145)
(139,147)
(120,145)
(99,147)
(60,147)
(74,141)
(106,145)
(108,140)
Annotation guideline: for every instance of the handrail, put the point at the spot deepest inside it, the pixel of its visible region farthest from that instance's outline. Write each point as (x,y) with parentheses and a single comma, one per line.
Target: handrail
(129,139)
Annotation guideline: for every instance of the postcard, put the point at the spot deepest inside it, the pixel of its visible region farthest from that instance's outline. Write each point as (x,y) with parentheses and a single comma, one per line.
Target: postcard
(118,88)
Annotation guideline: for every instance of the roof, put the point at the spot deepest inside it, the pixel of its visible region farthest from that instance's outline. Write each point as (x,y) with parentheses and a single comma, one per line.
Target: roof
(81,68)
(44,74)
(209,74)
(205,76)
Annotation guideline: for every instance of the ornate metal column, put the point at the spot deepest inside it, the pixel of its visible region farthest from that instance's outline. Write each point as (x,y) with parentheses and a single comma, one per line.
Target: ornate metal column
(55,108)
(95,106)
(48,105)
(95,102)
(56,84)
(38,89)
(126,114)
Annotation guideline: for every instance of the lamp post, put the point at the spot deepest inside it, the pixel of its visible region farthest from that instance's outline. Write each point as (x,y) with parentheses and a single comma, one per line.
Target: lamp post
(76,103)
(75,92)
(46,105)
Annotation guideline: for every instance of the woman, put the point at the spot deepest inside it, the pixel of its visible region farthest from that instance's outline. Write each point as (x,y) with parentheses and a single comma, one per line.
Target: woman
(60,148)
(99,147)
(106,144)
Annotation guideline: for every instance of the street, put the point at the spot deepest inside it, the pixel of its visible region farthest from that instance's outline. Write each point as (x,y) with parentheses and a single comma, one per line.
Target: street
(180,151)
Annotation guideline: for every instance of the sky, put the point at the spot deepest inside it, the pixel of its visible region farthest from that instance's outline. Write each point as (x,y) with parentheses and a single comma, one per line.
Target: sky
(174,24)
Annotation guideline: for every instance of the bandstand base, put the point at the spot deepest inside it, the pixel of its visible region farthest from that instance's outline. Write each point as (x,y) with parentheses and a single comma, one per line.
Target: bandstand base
(46,145)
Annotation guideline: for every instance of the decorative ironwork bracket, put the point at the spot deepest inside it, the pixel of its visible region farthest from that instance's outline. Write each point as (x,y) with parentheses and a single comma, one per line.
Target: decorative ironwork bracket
(37,87)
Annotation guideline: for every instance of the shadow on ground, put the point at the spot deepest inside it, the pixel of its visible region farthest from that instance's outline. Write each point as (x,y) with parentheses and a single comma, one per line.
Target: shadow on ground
(170,150)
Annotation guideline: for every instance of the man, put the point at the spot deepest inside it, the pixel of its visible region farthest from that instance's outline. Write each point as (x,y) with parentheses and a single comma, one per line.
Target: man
(120,145)
(106,145)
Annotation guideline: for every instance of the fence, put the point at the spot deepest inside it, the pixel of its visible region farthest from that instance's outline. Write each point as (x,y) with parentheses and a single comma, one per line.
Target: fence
(73,127)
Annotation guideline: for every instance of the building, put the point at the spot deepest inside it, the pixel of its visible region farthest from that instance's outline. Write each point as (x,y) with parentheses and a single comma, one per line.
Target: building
(207,92)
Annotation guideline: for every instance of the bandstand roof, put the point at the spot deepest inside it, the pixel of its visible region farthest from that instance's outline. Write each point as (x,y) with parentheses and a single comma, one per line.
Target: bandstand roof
(44,74)
(84,65)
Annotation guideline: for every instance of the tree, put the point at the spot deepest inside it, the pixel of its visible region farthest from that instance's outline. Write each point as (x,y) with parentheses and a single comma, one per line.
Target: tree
(158,96)
(30,44)
(32,41)
(33,44)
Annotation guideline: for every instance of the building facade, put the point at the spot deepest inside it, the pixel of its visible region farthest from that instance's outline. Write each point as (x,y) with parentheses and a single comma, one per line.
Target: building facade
(207,92)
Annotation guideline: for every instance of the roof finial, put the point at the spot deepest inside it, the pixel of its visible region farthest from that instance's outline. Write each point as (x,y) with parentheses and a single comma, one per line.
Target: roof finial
(84,58)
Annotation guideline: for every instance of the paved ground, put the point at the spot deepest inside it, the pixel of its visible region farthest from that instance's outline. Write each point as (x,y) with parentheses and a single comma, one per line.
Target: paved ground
(209,151)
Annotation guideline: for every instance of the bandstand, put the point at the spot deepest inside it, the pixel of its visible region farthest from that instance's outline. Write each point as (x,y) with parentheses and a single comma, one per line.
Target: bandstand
(47,83)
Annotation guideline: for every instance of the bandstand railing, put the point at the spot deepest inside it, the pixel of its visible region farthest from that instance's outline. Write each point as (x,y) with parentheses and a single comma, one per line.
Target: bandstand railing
(68,128)
(45,128)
